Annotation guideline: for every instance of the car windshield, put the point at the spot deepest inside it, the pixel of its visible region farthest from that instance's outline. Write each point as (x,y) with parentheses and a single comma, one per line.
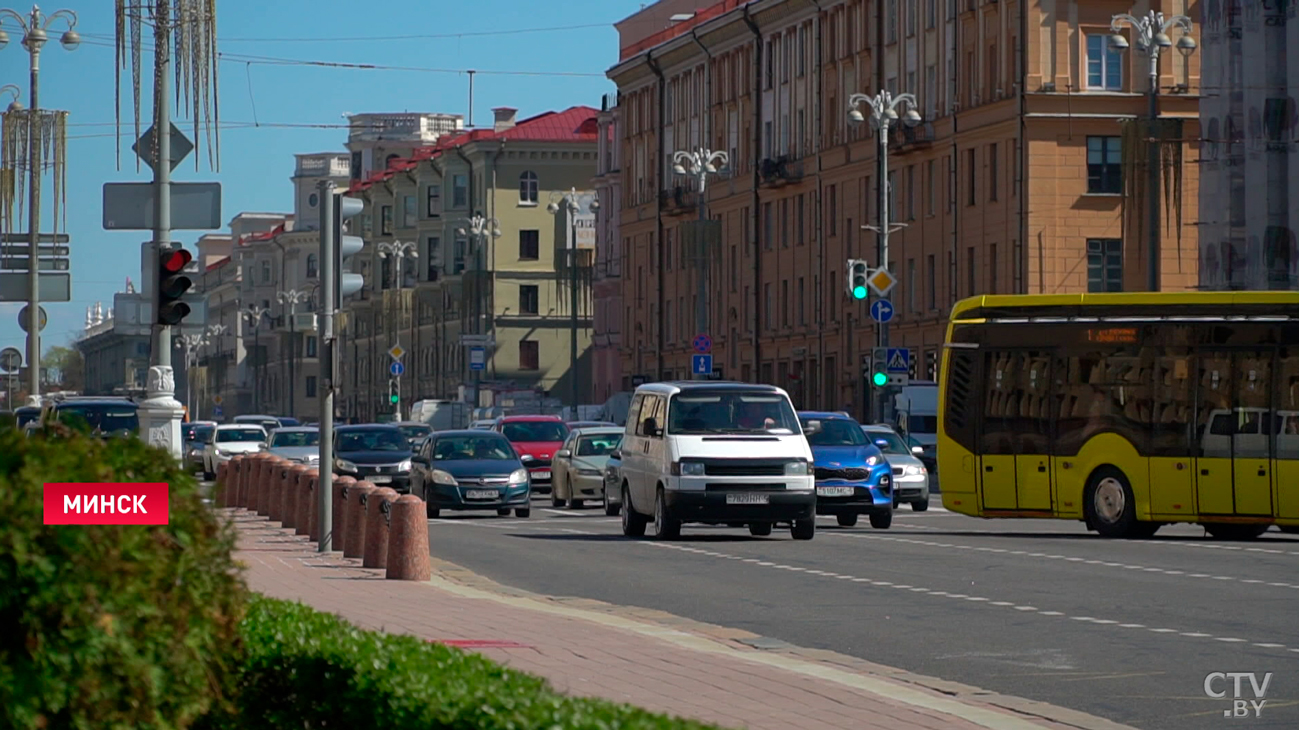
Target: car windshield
(888,442)
(415,432)
(598,445)
(199,434)
(289,439)
(373,440)
(240,434)
(525,432)
(472,448)
(106,419)
(833,432)
(27,415)
(710,412)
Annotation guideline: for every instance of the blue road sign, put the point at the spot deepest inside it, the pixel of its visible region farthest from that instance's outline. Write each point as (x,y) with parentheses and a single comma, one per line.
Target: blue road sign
(217,412)
(899,360)
(703,344)
(701,364)
(881,310)
(396,368)
(477,358)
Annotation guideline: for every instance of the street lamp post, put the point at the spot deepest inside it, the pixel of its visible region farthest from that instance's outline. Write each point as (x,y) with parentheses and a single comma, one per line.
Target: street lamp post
(398,251)
(215,333)
(571,204)
(190,344)
(254,314)
(883,109)
(1151,35)
(292,298)
(40,125)
(478,230)
(699,164)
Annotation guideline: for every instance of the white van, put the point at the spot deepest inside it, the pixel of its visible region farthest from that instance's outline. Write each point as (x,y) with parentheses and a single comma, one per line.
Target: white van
(715,453)
(916,410)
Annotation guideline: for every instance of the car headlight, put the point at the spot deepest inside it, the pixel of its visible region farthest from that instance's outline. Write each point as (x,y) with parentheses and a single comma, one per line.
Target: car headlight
(687,468)
(872,460)
(404,466)
(589,472)
(796,469)
(344,465)
(912,471)
(442,477)
(520,476)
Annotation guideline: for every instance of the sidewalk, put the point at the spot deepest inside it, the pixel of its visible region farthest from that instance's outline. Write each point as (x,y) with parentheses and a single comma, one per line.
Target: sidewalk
(641,657)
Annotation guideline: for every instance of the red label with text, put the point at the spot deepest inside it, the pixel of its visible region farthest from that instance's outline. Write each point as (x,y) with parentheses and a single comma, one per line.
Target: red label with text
(106,504)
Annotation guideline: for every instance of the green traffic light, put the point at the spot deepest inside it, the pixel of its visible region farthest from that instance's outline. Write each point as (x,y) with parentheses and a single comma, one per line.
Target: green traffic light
(880,379)
(859,292)
(393,398)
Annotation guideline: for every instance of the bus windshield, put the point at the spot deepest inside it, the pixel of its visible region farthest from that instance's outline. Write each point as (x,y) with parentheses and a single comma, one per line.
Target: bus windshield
(699,412)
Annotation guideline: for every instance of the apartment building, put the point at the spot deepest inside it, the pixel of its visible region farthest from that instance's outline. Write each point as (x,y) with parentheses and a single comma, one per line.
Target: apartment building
(1014,181)
(607,282)
(430,279)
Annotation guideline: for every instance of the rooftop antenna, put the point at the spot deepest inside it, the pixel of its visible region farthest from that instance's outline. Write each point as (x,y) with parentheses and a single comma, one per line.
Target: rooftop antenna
(471,73)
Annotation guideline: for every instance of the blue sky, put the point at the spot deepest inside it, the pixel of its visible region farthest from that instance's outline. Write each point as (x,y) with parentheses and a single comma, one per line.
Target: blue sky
(256,162)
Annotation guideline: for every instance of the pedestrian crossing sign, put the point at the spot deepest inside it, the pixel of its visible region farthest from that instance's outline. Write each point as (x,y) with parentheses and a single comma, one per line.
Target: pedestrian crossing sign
(899,360)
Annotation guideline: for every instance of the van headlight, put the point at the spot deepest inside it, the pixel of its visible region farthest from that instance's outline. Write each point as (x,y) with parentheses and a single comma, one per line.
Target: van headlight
(520,476)
(687,468)
(796,468)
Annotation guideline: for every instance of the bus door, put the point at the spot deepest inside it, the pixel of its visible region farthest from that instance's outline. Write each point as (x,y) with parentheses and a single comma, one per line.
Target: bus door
(1252,442)
(998,431)
(1234,427)
(1033,437)
(1285,464)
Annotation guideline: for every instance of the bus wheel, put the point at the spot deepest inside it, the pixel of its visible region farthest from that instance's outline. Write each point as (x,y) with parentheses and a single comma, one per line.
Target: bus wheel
(1109,505)
(1233,531)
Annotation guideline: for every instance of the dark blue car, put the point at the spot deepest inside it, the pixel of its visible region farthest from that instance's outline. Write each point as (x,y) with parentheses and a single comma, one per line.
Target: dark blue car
(471,470)
(852,476)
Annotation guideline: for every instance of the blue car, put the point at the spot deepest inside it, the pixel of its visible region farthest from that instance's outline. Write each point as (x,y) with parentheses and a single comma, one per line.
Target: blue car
(852,476)
(471,470)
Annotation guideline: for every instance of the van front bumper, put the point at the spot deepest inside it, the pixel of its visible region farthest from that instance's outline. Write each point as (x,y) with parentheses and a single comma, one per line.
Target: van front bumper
(719,501)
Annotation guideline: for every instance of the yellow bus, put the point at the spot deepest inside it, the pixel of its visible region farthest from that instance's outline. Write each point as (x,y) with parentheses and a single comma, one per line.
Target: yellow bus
(1126,411)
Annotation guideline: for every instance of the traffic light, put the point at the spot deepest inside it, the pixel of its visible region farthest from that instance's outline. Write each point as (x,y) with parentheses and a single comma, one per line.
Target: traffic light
(393,397)
(856,279)
(172,285)
(879,375)
(348,283)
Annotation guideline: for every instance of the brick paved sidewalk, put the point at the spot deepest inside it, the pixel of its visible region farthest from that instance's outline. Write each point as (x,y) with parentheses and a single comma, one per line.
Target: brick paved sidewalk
(592,649)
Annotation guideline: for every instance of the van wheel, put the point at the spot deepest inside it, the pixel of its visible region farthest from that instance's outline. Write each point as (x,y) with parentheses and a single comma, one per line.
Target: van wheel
(633,522)
(665,526)
(881,520)
(1232,531)
(1109,505)
(760,529)
(804,529)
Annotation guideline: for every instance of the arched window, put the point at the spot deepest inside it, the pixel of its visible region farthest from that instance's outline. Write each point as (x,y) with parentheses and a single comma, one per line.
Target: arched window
(311,266)
(528,187)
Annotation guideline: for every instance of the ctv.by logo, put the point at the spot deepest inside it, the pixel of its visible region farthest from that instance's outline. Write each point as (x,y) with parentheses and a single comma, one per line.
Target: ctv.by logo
(1240,706)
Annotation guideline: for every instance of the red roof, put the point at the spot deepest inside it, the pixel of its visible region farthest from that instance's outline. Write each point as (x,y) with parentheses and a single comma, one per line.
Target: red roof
(219,263)
(681,28)
(263,236)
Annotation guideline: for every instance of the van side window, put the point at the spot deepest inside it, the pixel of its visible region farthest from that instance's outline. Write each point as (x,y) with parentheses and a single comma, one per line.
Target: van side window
(652,408)
(633,413)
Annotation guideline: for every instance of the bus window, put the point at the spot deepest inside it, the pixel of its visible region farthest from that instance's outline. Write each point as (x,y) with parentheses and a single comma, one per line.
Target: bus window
(1286,466)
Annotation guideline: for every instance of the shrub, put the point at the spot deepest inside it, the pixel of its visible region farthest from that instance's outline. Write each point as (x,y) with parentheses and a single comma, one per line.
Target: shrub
(304,668)
(110,626)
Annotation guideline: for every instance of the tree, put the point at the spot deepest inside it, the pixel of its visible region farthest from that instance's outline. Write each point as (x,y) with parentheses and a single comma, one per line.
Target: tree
(65,368)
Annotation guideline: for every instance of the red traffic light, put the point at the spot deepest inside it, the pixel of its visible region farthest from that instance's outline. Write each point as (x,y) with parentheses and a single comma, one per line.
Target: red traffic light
(174,261)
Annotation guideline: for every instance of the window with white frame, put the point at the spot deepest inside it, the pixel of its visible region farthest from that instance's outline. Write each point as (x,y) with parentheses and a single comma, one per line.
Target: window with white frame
(1104,64)
(528,188)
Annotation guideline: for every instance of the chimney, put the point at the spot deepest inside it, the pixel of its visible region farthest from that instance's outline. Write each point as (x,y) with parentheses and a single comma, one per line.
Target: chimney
(504,118)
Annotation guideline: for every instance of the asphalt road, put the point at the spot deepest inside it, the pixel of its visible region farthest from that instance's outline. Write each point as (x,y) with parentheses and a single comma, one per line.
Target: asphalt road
(1125,630)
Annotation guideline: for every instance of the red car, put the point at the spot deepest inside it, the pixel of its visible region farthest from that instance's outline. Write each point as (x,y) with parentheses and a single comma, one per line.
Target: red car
(536,438)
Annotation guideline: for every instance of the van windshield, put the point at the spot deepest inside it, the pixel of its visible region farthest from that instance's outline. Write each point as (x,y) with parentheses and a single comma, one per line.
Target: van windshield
(728,412)
(105,419)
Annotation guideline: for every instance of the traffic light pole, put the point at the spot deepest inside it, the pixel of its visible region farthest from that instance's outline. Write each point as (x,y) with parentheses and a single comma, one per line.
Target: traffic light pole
(325,333)
(882,251)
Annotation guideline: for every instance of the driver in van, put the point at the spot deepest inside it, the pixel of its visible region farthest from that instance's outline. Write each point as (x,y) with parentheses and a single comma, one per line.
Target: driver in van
(754,416)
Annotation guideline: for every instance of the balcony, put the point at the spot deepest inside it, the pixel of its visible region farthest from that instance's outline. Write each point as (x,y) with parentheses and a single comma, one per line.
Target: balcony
(905,139)
(326,165)
(780,171)
(679,200)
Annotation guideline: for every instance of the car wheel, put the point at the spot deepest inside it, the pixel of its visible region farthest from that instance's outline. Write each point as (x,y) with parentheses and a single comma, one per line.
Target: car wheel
(555,500)
(633,522)
(576,504)
(846,520)
(208,476)
(804,529)
(432,512)
(881,520)
(760,529)
(609,509)
(503,512)
(920,506)
(523,513)
(665,527)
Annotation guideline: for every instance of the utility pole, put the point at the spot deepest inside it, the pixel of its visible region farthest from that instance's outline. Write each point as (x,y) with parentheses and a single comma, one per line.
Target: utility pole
(699,164)
(478,230)
(1151,34)
(571,205)
(883,115)
(397,252)
(328,252)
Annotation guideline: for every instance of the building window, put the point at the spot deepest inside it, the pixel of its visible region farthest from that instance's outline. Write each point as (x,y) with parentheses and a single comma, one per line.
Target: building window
(385,220)
(800,223)
(529,245)
(528,188)
(911,192)
(1105,165)
(433,256)
(311,386)
(893,194)
(767,314)
(312,266)
(767,226)
(1104,64)
(992,172)
(459,255)
(992,268)
(311,347)
(971,273)
(434,200)
(931,283)
(891,22)
(266,272)
(972,176)
(529,299)
(408,215)
(913,303)
(459,191)
(1104,265)
(529,355)
(802,300)
(784,303)
(832,204)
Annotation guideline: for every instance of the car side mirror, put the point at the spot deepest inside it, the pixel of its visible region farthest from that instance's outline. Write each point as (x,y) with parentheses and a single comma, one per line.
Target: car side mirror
(262,447)
(917,450)
(563,453)
(418,459)
(615,454)
(652,427)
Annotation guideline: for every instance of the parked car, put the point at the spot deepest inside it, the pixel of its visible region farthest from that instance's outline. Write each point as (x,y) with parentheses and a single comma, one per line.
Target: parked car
(578,468)
(486,424)
(613,481)
(300,444)
(852,476)
(471,469)
(25,415)
(927,453)
(229,439)
(910,477)
(415,432)
(194,435)
(536,439)
(106,417)
(378,453)
(268,423)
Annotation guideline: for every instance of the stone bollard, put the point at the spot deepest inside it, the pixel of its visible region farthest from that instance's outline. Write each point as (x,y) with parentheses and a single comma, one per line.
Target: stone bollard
(265,488)
(234,476)
(255,502)
(342,492)
(377,507)
(301,505)
(288,495)
(408,549)
(221,487)
(357,495)
(274,495)
(313,505)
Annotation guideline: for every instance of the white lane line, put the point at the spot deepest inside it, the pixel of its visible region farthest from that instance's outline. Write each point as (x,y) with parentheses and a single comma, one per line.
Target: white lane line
(1044,556)
(960,596)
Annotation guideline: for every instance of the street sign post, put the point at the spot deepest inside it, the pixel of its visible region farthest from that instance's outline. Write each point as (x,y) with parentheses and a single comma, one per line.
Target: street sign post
(24,317)
(146,147)
(396,368)
(701,364)
(899,365)
(477,358)
(11,359)
(194,206)
(56,286)
(881,310)
(881,282)
(217,412)
(703,344)
(396,352)
(22,239)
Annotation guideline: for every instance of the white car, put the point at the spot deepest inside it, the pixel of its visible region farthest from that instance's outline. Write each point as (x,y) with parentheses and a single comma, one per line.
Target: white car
(225,441)
(910,477)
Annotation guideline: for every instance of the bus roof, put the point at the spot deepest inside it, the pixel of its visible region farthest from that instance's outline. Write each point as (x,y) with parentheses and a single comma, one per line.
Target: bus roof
(1125,304)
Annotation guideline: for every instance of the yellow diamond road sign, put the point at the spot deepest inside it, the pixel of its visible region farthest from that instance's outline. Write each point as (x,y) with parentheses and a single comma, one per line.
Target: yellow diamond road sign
(396,352)
(881,282)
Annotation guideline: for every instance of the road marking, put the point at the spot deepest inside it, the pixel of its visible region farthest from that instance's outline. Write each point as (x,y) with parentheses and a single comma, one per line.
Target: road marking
(958,596)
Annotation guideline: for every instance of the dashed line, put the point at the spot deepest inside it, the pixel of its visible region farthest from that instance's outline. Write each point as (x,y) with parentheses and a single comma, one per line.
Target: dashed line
(966,597)
(1071,559)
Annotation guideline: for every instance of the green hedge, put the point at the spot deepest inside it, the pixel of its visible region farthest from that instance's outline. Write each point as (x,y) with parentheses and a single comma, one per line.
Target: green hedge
(308,669)
(110,627)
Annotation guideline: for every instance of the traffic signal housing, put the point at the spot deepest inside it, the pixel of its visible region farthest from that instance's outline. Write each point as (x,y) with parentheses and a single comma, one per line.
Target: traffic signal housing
(393,397)
(173,284)
(879,372)
(347,282)
(858,270)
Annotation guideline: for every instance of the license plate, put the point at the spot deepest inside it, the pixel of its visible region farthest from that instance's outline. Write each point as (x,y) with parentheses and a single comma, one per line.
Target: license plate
(834,491)
(482,494)
(541,474)
(748,498)
(379,480)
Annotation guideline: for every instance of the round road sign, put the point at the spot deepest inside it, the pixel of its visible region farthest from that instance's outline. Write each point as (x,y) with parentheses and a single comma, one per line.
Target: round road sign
(23,319)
